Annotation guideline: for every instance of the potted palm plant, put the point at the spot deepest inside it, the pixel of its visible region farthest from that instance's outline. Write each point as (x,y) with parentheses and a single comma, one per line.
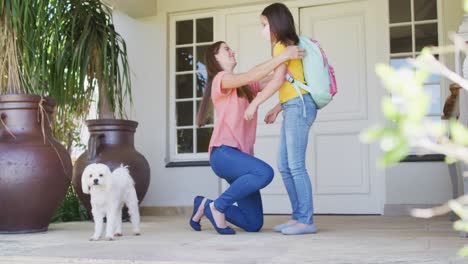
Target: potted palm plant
(55,49)
(35,169)
(105,64)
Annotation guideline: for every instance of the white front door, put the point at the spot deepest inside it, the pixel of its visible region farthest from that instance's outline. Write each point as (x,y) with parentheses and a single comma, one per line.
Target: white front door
(343,171)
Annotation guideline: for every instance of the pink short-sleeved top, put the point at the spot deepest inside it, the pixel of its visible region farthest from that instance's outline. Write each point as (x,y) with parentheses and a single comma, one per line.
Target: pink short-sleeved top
(231,129)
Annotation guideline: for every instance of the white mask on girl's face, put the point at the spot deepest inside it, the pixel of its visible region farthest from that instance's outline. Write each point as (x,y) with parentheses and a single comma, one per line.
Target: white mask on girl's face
(266,32)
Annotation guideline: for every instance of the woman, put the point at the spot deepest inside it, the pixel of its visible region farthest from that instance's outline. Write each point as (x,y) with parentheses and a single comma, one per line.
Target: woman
(278,28)
(232,141)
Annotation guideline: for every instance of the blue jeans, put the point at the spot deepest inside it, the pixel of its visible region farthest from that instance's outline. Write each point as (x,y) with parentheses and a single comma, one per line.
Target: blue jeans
(246,176)
(291,159)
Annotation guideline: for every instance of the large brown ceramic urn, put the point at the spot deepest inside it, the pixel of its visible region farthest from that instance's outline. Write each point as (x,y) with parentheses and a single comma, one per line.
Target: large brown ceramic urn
(35,169)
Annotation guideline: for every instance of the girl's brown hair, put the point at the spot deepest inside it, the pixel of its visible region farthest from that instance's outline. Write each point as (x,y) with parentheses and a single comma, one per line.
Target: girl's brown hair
(213,68)
(281,23)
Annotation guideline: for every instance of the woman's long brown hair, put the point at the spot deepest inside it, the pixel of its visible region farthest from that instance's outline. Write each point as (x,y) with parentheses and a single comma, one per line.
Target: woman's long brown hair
(213,68)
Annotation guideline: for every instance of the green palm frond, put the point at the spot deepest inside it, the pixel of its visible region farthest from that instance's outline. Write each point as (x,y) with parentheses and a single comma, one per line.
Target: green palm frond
(68,50)
(101,54)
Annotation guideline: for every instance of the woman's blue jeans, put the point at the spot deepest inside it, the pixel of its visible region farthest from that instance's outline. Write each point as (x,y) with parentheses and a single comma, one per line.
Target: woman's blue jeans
(291,159)
(246,176)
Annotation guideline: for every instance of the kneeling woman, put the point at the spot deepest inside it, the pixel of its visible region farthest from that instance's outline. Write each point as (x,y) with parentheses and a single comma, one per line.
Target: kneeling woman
(232,141)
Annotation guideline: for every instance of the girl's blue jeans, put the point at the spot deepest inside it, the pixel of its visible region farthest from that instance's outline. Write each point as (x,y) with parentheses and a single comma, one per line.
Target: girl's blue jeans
(291,159)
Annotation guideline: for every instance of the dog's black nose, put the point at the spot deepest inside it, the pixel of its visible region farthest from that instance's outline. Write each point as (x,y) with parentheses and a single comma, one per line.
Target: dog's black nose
(96,181)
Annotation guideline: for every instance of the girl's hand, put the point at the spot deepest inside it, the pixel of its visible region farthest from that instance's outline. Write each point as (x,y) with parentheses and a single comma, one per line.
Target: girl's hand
(271,116)
(250,111)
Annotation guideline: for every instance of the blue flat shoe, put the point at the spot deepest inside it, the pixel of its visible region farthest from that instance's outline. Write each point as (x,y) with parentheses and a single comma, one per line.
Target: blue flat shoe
(209,215)
(196,204)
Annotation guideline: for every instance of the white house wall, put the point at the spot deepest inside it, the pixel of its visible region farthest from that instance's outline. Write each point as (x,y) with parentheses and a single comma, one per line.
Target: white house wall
(406,183)
(146,40)
(418,183)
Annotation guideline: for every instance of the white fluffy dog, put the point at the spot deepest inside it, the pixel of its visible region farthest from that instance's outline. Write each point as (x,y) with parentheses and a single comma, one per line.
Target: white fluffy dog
(109,192)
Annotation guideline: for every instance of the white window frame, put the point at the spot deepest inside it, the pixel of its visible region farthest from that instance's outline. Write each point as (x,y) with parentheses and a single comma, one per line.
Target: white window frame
(415,53)
(440,29)
(172,147)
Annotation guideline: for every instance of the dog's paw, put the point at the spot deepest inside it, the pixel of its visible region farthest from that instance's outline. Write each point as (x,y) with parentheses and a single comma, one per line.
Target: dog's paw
(109,238)
(93,238)
(118,234)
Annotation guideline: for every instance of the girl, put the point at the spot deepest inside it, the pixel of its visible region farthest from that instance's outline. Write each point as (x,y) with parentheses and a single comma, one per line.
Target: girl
(278,28)
(232,141)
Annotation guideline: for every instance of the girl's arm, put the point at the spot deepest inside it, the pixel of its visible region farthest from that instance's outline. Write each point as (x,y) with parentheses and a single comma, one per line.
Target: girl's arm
(270,117)
(233,80)
(270,89)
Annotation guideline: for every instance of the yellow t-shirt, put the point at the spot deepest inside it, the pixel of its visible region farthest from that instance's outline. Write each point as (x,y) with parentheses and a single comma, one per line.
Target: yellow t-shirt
(287,91)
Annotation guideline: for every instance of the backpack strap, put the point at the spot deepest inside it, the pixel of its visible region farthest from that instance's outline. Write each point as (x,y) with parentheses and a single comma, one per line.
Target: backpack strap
(289,77)
(297,86)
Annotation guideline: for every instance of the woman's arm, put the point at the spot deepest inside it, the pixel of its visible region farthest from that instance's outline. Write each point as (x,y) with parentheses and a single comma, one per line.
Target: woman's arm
(233,81)
(265,81)
(270,89)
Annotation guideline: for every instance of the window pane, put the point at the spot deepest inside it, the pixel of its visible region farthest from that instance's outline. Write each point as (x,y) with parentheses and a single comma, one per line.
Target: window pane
(201,83)
(209,114)
(201,63)
(400,39)
(184,86)
(433,78)
(184,32)
(205,30)
(400,11)
(425,9)
(184,113)
(185,141)
(203,139)
(398,63)
(426,35)
(434,91)
(184,59)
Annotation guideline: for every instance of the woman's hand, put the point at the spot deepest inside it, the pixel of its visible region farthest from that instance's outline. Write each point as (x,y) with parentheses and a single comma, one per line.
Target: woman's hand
(293,52)
(250,111)
(271,116)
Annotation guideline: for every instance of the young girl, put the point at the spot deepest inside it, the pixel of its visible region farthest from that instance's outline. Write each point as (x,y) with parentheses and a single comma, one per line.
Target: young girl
(278,27)
(231,145)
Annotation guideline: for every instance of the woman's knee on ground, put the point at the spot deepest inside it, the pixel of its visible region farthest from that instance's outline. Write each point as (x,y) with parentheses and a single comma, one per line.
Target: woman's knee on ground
(255,226)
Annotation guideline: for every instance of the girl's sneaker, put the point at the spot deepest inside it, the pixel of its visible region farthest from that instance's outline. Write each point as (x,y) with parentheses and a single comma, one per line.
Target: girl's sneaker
(297,230)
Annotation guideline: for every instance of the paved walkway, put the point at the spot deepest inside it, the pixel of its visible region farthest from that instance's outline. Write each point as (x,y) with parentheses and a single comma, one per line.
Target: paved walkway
(341,239)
